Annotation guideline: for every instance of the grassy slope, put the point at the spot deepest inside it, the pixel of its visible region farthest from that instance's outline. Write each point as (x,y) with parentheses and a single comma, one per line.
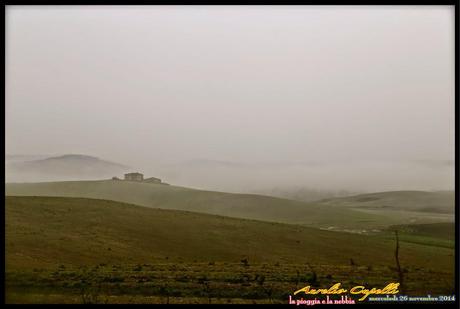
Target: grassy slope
(247,206)
(440,230)
(442,202)
(433,234)
(48,231)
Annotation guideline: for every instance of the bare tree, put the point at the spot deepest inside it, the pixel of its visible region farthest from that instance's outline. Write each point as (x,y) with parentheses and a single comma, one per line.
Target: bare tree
(398,265)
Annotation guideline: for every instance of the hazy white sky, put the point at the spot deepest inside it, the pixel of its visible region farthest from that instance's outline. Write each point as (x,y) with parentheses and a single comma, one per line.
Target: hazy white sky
(239,83)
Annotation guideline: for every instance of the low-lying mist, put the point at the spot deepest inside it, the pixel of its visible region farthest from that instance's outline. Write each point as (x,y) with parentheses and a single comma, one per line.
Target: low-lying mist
(300,180)
(336,178)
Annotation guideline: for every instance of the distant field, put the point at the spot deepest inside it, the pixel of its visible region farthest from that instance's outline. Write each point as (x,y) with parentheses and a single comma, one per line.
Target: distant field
(58,247)
(442,202)
(433,234)
(328,214)
(440,230)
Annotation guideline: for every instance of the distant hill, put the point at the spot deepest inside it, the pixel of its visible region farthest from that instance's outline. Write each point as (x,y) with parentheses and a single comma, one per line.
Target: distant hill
(65,167)
(420,201)
(248,206)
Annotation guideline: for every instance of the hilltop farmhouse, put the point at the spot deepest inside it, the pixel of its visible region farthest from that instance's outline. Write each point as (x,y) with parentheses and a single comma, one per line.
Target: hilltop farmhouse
(134,176)
(139,177)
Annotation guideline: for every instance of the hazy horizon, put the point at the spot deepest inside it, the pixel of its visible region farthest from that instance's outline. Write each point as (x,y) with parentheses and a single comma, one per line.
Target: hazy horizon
(239,98)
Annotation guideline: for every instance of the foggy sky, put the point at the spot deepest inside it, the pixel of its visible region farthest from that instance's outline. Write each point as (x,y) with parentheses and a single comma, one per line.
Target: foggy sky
(152,86)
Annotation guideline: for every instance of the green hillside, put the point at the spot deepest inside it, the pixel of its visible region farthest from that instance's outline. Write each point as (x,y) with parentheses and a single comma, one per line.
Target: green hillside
(434,234)
(61,249)
(248,206)
(439,230)
(41,230)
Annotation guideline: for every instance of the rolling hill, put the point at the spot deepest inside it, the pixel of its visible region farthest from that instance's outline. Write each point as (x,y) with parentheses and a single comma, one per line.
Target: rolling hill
(419,201)
(248,206)
(77,250)
(43,231)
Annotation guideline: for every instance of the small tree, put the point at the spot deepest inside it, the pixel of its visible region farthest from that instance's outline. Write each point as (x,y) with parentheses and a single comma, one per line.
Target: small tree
(398,265)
